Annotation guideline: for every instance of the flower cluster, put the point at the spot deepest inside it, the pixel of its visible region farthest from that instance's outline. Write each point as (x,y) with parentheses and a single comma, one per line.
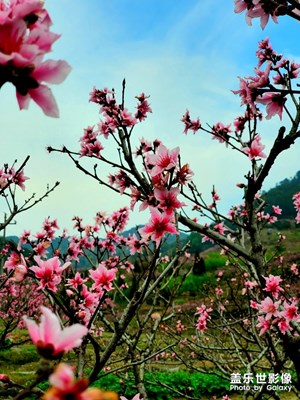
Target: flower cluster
(260,9)
(8,176)
(16,299)
(50,339)
(203,313)
(16,263)
(259,89)
(296,199)
(189,124)
(49,272)
(115,115)
(277,314)
(25,38)
(64,385)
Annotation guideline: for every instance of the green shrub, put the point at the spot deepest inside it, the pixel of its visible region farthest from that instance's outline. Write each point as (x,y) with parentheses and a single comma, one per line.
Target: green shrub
(195,284)
(159,384)
(20,355)
(214,261)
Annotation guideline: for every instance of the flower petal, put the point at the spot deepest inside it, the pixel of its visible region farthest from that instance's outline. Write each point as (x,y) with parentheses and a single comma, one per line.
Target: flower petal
(44,98)
(70,337)
(33,329)
(52,71)
(50,329)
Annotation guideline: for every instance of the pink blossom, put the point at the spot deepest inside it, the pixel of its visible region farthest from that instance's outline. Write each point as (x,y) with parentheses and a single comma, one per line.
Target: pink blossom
(16,263)
(158,226)
(268,307)
(261,79)
(290,312)
(284,326)
(184,174)
(272,285)
(189,124)
(253,304)
(74,250)
(143,108)
(168,199)
(255,150)
(221,132)
(24,40)
(127,119)
(76,281)
(48,272)
(294,269)
(220,228)
(265,52)
(18,178)
(120,180)
(203,313)
(254,9)
(249,285)
(90,300)
(296,203)
(277,210)
(51,340)
(247,94)
(64,386)
(103,277)
(136,397)
(136,245)
(163,160)
(274,104)
(264,324)
(90,146)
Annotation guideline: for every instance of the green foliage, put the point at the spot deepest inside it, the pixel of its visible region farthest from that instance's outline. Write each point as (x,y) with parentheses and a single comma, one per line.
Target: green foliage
(195,284)
(19,355)
(159,384)
(110,382)
(214,260)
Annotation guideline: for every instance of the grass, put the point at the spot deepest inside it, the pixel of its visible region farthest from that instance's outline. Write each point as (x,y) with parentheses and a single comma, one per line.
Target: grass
(20,363)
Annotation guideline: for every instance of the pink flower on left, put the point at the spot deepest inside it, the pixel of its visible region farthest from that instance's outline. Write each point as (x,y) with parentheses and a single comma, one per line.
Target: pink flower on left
(25,38)
(65,386)
(53,341)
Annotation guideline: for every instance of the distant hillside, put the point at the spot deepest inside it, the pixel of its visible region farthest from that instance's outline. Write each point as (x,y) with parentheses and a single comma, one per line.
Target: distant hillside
(282,195)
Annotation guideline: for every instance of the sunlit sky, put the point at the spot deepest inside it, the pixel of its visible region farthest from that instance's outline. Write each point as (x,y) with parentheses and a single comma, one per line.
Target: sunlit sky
(184,54)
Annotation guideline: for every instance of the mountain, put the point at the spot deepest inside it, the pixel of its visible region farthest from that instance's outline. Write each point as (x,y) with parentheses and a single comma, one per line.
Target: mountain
(282,195)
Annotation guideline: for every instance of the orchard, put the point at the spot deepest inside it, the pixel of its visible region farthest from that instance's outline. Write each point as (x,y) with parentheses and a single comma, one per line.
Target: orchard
(104,307)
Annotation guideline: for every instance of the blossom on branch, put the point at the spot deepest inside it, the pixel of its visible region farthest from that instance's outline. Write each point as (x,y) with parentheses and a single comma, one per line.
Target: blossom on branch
(50,339)
(163,160)
(272,285)
(65,386)
(257,9)
(274,104)
(168,199)
(296,203)
(255,150)
(49,272)
(159,226)
(103,278)
(24,40)
(189,124)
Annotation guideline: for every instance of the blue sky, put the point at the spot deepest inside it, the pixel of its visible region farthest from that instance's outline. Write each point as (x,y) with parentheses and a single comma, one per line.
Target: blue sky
(185,54)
